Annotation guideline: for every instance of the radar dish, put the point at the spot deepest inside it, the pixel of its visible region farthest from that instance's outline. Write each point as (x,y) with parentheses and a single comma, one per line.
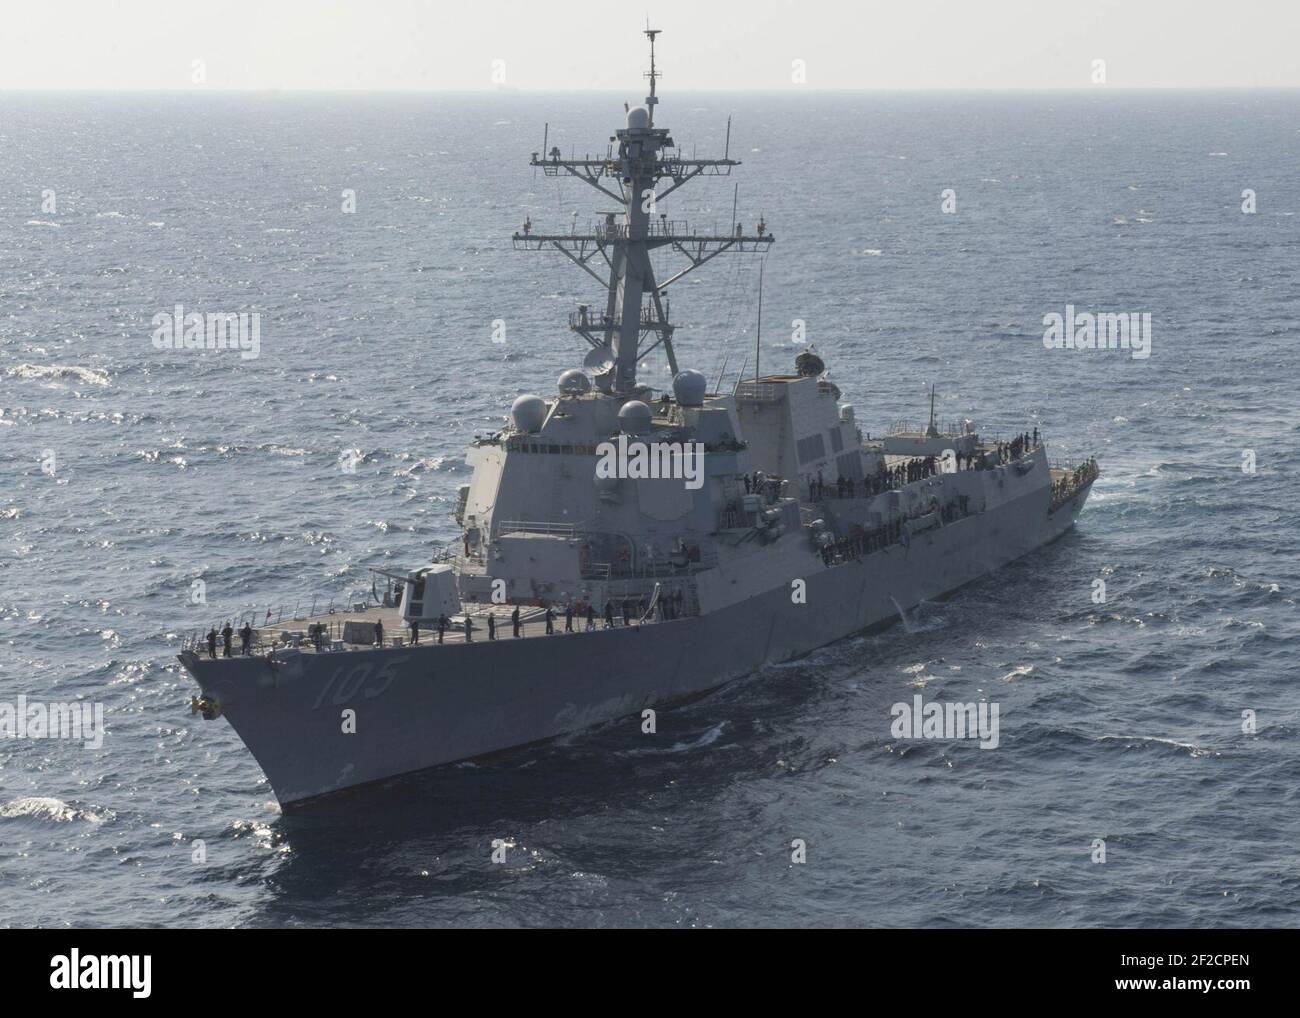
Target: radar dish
(599,359)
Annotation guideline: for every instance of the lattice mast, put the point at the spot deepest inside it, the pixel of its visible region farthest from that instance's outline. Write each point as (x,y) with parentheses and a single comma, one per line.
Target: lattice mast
(646,167)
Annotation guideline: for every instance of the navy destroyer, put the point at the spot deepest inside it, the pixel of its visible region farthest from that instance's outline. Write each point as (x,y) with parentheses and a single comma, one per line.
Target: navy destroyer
(623,548)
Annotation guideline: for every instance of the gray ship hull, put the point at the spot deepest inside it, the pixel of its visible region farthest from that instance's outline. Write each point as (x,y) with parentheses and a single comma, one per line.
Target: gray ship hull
(418,707)
(755,520)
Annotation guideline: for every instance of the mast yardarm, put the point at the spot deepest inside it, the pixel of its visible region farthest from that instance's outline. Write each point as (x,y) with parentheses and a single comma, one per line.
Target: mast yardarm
(645,168)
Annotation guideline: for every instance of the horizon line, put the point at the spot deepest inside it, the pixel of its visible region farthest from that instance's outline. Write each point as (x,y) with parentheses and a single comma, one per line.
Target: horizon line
(792,90)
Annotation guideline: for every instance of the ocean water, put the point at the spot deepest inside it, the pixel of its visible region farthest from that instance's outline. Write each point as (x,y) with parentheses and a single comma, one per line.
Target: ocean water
(128,473)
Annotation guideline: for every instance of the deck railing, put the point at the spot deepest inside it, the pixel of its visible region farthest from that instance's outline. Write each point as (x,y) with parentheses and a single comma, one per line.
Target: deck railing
(1073,480)
(759,392)
(535,527)
(953,429)
(645,608)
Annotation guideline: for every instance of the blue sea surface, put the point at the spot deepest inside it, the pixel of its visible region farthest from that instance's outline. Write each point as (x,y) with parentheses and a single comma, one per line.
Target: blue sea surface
(127,473)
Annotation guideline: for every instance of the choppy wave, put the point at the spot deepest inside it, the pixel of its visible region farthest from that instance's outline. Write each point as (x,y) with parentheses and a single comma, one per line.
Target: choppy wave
(1142,741)
(57,372)
(56,810)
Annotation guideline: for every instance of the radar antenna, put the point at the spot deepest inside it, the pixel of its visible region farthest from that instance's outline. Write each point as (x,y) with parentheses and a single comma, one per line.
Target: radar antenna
(646,167)
(651,101)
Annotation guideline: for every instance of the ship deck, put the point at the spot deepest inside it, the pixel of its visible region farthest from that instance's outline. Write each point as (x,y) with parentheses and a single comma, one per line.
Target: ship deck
(297,632)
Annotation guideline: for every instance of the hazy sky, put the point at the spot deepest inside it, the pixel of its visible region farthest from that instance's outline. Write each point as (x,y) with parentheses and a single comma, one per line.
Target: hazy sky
(707,44)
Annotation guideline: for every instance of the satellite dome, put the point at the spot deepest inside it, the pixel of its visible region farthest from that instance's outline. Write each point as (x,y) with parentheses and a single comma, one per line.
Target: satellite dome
(527,413)
(574,383)
(689,387)
(638,118)
(634,418)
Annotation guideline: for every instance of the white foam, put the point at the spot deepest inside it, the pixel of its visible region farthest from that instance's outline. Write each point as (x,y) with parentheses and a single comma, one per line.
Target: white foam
(49,808)
(41,372)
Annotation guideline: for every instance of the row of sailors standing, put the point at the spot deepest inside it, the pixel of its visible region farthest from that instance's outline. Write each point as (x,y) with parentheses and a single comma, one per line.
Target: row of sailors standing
(759,483)
(884,479)
(917,468)
(1083,474)
(1025,442)
(861,541)
(227,633)
(669,606)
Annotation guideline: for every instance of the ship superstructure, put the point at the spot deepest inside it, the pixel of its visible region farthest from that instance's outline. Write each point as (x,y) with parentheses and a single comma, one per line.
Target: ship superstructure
(622,547)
